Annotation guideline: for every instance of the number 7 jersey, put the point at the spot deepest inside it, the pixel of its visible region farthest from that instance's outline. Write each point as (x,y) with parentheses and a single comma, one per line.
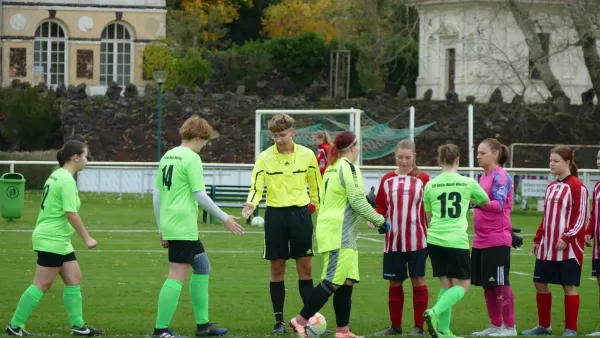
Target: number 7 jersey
(180,175)
(447,197)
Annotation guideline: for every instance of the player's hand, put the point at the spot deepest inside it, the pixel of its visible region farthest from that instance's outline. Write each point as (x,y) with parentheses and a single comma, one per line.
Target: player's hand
(561,245)
(517,241)
(588,240)
(233,225)
(163,243)
(385,227)
(91,243)
(534,249)
(371,225)
(248,210)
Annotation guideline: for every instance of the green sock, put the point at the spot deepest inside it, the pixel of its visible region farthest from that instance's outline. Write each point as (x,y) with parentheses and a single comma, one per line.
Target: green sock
(444,318)
(167,302)
(199,293)
(28,302)
(74,304)
(446,302)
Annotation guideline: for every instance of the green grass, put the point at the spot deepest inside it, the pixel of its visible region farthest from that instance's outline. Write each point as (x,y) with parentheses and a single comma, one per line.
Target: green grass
(122,278)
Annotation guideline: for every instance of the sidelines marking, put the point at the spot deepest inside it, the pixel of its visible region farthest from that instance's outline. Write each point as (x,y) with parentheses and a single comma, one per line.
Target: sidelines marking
(520,273)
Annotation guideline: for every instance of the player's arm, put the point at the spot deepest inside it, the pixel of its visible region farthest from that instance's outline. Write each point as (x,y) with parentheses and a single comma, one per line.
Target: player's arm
(592,221)
(257,184)
(579,210)
(195,175)
(427,203)
(356,196)
(500,189)
(479,195)
(381,200)
(156,203)
(69,206)
(315,182)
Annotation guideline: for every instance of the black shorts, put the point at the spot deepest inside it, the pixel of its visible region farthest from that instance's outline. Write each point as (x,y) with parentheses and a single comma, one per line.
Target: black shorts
(288,233)
(398,265)
(490,266)
(184,251)
(595,267)
(449,262)
(557,272)
(52,260)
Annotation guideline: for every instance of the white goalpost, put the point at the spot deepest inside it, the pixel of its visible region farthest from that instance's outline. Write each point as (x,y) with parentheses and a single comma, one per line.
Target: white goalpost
(353,114)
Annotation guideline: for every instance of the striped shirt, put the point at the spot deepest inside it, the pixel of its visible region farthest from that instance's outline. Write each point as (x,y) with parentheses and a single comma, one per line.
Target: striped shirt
(400,200)
(565,212)
(593,228)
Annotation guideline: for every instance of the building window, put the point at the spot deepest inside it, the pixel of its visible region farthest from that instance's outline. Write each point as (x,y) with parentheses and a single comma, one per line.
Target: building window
(17,60)
(545,39)
(116,55)
(49,53)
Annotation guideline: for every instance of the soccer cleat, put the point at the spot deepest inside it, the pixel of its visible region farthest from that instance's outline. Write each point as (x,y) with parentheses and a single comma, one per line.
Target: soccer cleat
(448,335)
(346,335)
(300,330)
(417,331)
(209,330)
(86,331)
(537,331)
(505,332)
(165,333)
(432,322)
(569,333)
(488,332)
(595,333)
(279,328)
(17,331)
(390,331)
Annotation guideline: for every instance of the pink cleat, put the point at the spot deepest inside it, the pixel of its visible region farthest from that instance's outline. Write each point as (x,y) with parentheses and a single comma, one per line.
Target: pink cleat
(346,335)
(300,329)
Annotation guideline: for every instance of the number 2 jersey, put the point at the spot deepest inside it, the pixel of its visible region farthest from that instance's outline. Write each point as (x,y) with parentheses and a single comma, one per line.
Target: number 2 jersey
(53,232)
(180,175)
(447,197)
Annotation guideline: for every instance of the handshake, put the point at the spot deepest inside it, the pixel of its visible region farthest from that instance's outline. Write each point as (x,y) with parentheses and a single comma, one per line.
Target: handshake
(385,227)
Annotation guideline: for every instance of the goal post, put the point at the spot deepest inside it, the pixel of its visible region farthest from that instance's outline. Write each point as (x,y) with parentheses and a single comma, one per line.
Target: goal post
(354,122)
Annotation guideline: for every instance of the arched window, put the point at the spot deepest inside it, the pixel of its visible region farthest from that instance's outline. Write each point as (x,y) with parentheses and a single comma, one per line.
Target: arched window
(49,52)
(116,61)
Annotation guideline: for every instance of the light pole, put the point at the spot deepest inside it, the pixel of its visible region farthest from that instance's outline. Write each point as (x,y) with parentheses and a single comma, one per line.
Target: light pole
(160,76)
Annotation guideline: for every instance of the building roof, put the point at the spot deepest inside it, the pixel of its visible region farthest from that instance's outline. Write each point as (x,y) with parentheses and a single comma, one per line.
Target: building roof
(88,3)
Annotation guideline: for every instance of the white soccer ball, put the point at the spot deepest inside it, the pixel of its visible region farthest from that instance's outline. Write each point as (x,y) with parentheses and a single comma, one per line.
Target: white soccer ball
(258,221)
(316,326)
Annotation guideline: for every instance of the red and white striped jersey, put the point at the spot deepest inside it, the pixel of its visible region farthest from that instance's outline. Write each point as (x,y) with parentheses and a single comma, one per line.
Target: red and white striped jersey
(565,213)
(593,228)
(400,200)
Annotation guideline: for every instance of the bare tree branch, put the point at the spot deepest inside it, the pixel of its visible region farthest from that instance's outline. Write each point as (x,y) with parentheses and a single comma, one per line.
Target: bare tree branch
(586,31)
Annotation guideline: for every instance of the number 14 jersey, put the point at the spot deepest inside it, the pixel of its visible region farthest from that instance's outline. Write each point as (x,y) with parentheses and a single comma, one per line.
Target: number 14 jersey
(447,197)
(179,177)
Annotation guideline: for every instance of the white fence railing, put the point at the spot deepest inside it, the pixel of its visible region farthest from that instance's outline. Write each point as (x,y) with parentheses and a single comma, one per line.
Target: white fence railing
(139,177)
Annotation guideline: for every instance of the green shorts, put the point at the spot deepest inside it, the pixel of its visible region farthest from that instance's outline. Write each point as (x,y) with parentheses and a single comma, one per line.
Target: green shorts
(339,265)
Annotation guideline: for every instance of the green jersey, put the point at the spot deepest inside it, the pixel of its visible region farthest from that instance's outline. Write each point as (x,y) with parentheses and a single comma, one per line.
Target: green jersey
(179,177)
(447,197)
(344,207)
(53,232)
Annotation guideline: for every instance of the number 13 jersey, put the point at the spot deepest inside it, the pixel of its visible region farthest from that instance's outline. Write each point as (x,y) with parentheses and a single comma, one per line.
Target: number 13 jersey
(447,197)
(179,177)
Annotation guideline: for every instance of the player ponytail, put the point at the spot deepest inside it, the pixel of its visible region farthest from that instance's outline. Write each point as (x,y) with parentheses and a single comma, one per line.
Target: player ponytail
(567,155)
(68,150)
(447,154)
(342,142)
(502,150)
(410,145)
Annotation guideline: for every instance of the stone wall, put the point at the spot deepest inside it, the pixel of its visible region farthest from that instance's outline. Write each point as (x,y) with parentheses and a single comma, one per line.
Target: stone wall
(124,129)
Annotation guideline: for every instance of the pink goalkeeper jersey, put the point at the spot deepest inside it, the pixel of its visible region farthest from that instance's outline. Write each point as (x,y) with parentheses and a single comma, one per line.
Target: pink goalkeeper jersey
(492,223)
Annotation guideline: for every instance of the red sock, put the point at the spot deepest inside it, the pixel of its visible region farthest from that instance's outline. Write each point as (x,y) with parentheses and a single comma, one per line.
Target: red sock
(571,311)
(420,302)
(396,305)
(544,307)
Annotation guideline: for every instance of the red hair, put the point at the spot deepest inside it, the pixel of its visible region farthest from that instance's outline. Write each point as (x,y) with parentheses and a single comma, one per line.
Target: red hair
(342,141)
(567,155)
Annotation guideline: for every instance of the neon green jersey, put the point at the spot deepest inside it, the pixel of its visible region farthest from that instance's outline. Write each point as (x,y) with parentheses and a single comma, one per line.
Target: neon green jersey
(179,177)
(53,232)
(344,207)
(447,197)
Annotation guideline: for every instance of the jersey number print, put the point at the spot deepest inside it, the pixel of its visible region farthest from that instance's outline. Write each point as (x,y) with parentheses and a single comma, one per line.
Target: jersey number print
(453,211)
(167,176)
(45,195)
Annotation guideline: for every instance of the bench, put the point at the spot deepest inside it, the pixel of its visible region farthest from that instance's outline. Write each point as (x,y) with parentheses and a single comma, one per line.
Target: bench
(231,196)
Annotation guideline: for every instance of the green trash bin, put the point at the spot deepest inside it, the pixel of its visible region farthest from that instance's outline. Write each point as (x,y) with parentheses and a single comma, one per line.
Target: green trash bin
(12,195)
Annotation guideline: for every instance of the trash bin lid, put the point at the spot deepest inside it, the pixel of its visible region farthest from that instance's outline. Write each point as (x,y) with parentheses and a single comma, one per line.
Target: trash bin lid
(12,177)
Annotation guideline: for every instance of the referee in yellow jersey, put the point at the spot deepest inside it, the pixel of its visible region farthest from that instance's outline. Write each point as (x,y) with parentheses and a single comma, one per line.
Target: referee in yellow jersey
(285,168)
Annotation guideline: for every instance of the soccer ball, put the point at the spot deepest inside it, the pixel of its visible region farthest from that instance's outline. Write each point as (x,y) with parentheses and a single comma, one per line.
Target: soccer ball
(258,222)
(316,326)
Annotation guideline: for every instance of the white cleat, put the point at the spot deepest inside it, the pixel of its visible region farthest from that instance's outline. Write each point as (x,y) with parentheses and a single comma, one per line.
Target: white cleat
(505,331)
(488,332)
(595,333)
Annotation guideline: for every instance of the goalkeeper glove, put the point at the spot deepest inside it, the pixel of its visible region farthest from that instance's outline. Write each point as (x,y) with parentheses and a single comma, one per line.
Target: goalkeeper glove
(371,198)
(385,227)
(517,241)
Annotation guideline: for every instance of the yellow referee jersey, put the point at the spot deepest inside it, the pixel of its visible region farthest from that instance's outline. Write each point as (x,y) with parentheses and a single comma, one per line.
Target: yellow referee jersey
(285,177)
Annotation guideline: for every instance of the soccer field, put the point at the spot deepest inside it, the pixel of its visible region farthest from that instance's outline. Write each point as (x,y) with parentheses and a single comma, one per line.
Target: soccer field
(123,276)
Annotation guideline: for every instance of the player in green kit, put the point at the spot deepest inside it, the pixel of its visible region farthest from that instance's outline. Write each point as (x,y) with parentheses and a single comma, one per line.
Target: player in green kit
(178,192)
(58,219)
(446,199)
